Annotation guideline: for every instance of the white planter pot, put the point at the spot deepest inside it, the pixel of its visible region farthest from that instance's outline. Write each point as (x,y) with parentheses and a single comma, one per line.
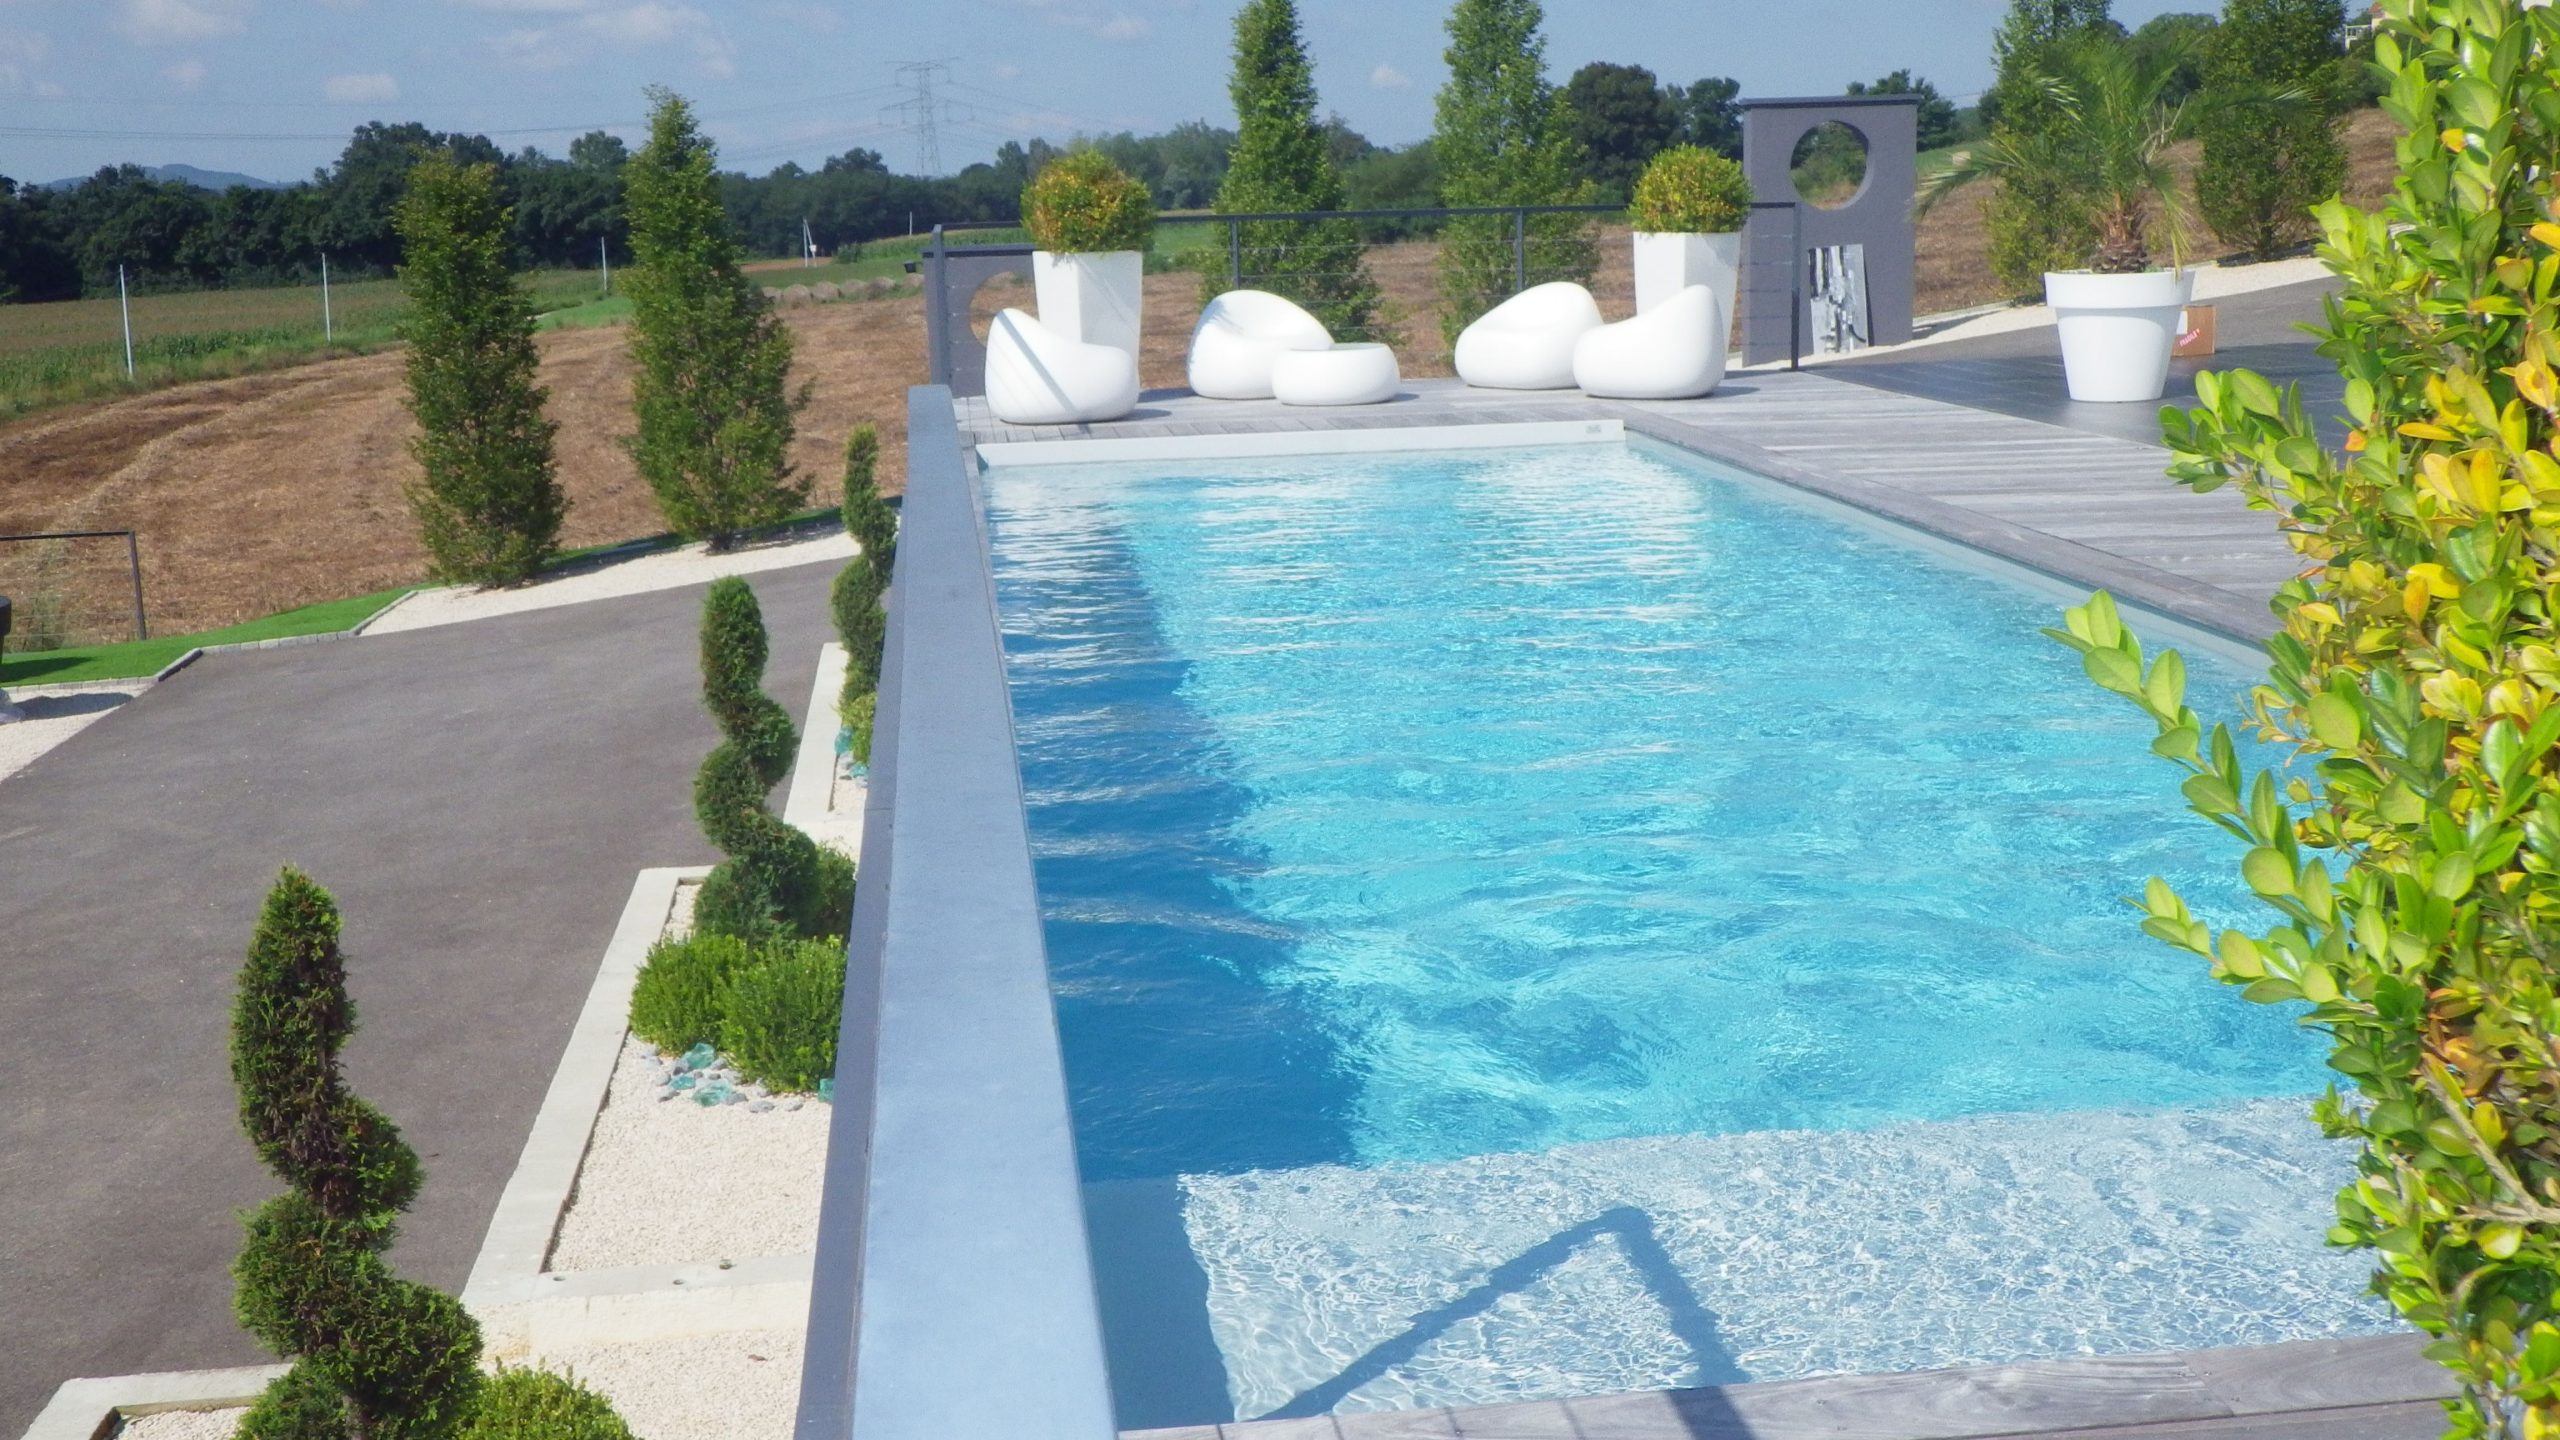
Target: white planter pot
(2117,330)
(1092,298)
(1670,261)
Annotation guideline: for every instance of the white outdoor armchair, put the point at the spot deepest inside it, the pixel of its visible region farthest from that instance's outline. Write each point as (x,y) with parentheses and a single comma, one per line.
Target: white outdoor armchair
(1674,351)
(1526,342)
(1240,335)
(1036,376)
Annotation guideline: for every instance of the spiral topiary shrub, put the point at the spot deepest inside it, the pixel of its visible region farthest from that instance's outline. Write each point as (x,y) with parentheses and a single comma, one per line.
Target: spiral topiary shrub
(675,1003)
(778,1015)
(375,1357)
(1690,190)
(1081,203)
(521,1404)
(861,623)
(776,881)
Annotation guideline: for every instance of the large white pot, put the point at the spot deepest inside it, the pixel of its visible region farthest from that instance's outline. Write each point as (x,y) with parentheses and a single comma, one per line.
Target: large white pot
(1670,261)
(1092,298)
(2117,330)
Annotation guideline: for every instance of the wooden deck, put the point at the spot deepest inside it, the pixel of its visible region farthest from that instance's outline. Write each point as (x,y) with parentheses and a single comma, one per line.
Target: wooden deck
(2090,509)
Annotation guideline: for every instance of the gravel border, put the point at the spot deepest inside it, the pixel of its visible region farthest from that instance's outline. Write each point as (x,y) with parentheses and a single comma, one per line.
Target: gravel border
(670,1182)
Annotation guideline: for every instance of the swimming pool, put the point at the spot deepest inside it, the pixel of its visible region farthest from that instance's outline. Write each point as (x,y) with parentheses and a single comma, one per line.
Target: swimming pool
(1551,921)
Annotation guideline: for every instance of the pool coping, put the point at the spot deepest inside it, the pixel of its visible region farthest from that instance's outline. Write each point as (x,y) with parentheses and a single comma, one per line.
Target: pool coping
(953,1289)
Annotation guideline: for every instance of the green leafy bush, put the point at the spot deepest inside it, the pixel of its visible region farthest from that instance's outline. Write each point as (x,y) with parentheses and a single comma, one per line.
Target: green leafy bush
(2414,866)
(524,1404)
(374,1355)
(1687,190)
(489,503)
(779,1015)
(2261,173)
(1081,203)
(675,1003)
(860,715)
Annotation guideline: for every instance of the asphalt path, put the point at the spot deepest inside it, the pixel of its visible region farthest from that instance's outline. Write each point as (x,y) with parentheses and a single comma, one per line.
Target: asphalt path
(478,797)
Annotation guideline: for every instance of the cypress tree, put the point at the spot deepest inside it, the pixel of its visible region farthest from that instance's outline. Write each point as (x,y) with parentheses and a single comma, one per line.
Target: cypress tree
(489,507)
(2036,227)
(2265,166)
(1281,162)
(1503,136)
(713,359)
(777,881)
(375,1357)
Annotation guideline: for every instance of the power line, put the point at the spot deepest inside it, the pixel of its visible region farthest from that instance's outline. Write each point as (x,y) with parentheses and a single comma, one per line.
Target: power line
(88,133)
(926,110)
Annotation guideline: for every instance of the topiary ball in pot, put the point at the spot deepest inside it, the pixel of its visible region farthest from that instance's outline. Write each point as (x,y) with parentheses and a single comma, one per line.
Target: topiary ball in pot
(1688,212)
(1091,224)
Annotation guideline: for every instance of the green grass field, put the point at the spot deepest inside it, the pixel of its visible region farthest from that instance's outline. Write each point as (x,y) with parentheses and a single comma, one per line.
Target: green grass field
(134,658)
(70,350)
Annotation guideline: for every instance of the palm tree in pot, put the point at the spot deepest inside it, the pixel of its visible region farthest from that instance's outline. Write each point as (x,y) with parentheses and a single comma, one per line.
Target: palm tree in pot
(2106,148)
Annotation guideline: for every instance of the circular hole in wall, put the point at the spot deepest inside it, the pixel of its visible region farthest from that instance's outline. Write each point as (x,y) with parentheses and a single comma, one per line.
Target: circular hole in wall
(1830,165)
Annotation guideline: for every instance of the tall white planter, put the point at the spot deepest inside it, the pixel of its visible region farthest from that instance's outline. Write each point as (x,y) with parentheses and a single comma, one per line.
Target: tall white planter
(1670,261)
(2117,330)
(1093,298)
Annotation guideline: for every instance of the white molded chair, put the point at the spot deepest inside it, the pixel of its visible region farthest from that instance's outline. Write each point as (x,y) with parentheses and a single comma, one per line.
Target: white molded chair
(1357,374)
(1036,376)
(1674,351)
(1526,342)
(1240,334)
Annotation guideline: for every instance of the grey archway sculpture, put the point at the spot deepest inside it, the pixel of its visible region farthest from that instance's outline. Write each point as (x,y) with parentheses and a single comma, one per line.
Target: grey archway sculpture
(1776,243)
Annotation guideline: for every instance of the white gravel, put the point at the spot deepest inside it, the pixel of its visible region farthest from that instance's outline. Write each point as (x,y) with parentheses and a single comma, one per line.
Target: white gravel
(744,1385)
(669,1182)
(55,715)
(182,1425)
(659,570)
(740,1386)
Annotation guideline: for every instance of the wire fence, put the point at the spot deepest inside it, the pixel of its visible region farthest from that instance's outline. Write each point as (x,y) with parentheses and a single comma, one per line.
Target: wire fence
(72,588)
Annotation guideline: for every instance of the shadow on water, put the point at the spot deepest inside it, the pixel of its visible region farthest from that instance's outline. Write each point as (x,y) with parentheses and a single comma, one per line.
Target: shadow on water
(1181,1057)
(1691,1322)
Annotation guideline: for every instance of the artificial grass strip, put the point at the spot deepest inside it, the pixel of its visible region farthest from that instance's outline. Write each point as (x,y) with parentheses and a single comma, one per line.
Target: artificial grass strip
(132,659)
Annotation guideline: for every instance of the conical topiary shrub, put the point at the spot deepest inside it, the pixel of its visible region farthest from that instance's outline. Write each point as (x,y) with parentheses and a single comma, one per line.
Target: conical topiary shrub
(375,1357)
(861,622)
(776,881)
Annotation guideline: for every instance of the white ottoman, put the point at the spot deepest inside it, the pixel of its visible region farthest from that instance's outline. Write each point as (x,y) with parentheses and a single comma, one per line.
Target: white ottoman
(1358,374)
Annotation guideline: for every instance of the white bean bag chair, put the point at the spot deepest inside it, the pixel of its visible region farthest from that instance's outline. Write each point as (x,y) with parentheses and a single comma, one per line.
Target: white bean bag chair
(1674,351)
(1526,342)
(1239,335)
(1036,376)
(1358,374)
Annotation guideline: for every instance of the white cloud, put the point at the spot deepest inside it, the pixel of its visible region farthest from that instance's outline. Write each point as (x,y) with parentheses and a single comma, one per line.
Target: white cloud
(371,89)
(20,52)
(587,26)
(1123,27)
(181,22)
(1006,71)
(1388,77)
(186,74)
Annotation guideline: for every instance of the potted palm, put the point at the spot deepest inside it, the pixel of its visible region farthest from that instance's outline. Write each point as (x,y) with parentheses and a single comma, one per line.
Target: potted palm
(1688,210)
(1090,222)
(2107,149)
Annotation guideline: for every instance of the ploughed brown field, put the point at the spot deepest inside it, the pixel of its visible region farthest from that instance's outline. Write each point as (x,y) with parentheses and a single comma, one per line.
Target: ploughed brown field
(284,488)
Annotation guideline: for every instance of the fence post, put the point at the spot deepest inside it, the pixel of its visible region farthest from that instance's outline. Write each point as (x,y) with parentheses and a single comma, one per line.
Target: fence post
(133,556)
(1235,254)
(1519,250)
(937,359)
(1795,287)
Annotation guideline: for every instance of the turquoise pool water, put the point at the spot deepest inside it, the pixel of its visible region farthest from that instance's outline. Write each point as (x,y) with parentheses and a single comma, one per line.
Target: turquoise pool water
(1394,813)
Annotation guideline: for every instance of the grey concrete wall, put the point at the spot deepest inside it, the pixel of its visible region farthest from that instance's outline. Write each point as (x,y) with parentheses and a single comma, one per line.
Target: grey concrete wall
(1878,217)
(953,1295)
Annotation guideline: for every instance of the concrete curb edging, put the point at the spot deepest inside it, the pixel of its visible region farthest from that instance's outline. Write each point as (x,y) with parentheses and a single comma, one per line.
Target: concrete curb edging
(810,805)
(637,1303)
(509,1268)
(89,1409)
(282,642)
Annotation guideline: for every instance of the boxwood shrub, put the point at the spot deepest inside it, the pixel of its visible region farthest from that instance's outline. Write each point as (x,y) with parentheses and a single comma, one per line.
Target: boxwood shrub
(676,1003)
(1690,190)
(1081,203)
(779,1015)
(521,1404)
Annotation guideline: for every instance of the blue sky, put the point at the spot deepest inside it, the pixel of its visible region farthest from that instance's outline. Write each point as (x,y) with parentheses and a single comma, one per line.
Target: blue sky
(270,87)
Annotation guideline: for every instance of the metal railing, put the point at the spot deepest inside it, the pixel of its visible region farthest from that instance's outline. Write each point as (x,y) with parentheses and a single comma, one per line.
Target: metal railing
(42,594)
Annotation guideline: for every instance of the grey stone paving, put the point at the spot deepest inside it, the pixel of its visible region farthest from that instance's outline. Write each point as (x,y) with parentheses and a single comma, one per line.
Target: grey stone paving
(478,796)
